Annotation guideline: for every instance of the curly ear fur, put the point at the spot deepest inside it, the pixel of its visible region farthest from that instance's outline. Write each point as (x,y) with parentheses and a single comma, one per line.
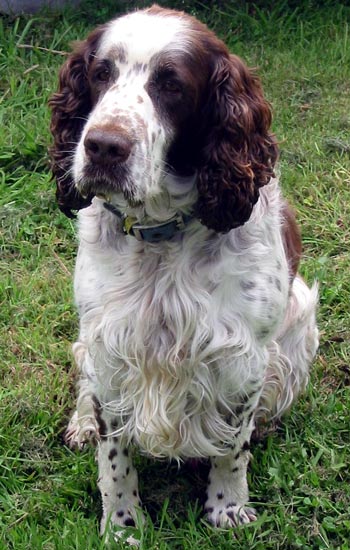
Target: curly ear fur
(70,107)
(239,153)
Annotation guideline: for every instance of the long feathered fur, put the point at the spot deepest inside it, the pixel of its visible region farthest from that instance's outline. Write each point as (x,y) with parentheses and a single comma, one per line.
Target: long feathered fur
(239,152)
(70,107)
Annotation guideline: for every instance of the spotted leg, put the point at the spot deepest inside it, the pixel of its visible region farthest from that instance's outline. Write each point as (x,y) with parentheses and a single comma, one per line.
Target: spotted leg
(226,505)
(118,481)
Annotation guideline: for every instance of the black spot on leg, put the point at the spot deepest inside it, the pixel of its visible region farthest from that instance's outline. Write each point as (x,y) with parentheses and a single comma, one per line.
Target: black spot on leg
(246,446)
(231,504)
(102,426)
(119,495)
(134,493)
(125,452)
(236,457)
(234,470)
(115,479)
(114,466)
(112,454)
(127,471)
(220,496)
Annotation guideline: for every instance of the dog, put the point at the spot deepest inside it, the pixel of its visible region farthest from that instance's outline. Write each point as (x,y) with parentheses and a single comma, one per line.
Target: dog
(194,322)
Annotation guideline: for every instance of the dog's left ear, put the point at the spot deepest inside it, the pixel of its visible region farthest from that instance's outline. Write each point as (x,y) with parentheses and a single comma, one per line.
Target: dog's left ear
(238,153)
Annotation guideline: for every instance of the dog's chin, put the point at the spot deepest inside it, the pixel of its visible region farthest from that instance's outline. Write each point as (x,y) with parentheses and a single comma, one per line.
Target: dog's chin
(107,185)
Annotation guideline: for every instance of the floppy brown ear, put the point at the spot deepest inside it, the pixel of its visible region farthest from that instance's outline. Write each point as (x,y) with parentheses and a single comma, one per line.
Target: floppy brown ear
(238,153)
(70,106)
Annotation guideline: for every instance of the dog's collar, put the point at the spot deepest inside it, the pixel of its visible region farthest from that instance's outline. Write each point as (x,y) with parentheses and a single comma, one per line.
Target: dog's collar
(151,233)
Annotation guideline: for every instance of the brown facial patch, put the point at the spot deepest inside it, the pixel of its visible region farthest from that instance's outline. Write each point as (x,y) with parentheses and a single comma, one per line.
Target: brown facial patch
(176,86)
(173,86)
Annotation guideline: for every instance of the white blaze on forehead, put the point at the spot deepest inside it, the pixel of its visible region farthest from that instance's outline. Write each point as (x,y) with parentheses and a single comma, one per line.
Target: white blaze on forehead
(143,35)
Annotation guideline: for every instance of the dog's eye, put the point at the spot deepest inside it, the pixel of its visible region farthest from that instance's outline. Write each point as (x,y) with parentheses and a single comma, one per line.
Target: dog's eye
(102,74)
(171,86)
(102,71)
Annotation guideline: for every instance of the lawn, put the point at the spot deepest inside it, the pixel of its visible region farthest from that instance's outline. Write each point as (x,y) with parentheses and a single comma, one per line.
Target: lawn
(300,473)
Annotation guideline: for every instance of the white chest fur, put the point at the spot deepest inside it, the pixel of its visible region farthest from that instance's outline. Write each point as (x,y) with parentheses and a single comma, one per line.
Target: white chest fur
(177,331)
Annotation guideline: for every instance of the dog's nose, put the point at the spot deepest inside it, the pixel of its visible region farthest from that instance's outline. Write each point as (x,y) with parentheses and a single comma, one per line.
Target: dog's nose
(103,146)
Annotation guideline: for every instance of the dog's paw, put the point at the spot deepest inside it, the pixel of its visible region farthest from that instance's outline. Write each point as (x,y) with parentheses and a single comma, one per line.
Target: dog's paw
(118,526)
(78,434)
(231,515)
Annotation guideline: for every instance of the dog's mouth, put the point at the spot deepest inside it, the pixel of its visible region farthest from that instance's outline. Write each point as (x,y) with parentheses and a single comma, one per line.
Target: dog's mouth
(106,183)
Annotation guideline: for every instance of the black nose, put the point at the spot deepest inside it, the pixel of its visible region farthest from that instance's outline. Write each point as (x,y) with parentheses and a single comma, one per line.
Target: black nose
(106,146)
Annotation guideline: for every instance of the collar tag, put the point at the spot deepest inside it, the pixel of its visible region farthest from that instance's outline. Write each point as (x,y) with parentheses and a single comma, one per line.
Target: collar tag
(128,223)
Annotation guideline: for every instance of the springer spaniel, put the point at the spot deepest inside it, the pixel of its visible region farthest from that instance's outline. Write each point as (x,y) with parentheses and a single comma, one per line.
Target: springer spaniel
(194,324)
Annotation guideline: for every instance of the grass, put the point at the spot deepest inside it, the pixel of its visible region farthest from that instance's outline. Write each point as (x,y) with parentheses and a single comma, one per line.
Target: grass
(299,476)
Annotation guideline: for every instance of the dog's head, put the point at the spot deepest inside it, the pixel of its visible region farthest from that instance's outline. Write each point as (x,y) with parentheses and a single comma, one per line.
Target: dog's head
(156,93)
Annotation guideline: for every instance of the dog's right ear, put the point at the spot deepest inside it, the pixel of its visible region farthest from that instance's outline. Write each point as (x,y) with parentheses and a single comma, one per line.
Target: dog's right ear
(70,106)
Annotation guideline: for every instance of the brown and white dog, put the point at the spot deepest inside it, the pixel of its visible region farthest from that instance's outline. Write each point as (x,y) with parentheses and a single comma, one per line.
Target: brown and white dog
(194,323)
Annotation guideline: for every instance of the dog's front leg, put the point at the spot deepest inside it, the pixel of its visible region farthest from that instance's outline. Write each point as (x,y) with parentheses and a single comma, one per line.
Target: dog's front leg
(227,492)
(118,481)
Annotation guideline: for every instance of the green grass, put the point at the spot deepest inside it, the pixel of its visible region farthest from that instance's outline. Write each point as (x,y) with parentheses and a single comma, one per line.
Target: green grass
(299,476)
